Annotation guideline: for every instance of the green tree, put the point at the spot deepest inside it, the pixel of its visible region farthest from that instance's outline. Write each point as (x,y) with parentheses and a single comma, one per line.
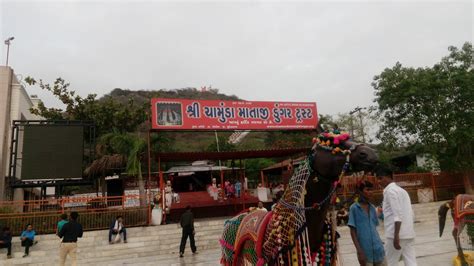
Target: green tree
(224,145)
(134,164)
(359,124)
(254,166)
(289,139)
(120,152)
(430,107)
(327,122)
(108,114)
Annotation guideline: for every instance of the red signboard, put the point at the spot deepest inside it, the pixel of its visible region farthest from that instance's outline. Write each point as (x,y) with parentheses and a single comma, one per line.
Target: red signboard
(181,114)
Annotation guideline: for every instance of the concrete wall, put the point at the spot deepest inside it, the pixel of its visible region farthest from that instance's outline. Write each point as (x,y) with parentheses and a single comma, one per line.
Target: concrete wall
(15,104)
(6,74)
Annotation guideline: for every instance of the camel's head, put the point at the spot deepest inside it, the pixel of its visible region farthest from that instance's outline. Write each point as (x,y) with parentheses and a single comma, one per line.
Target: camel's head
(333,149)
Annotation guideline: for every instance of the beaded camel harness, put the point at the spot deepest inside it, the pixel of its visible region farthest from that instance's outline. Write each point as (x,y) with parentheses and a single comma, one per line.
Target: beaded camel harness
(280,237)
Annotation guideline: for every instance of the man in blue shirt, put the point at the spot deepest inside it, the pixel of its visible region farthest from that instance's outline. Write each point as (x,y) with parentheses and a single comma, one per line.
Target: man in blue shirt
(27,238)
(362,223)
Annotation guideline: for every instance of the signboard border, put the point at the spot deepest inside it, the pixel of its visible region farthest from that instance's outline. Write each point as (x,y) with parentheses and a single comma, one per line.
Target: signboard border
(154,116)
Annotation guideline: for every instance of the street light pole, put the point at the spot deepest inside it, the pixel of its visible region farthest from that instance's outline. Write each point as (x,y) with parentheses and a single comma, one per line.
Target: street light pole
(7,42)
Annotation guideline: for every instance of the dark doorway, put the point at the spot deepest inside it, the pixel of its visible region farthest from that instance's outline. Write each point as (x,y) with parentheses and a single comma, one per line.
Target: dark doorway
(195,182)
(114,189)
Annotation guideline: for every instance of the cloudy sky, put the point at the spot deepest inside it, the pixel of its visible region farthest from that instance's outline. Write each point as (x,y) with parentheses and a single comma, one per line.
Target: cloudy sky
(326,52)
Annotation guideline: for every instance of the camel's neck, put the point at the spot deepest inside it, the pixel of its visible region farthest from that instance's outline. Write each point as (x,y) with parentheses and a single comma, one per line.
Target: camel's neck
(315,193)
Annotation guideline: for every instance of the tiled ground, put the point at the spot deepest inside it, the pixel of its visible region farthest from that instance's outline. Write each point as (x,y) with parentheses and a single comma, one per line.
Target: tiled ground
(162,249)
(430,249)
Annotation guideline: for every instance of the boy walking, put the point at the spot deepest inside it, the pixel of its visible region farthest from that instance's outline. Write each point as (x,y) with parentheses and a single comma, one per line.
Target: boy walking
(362,223)
(69,233)
(187,223)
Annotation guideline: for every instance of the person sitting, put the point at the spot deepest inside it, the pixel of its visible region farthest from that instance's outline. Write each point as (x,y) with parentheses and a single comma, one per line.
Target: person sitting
(261,207)
(6,241)
(27,238)
(117,228)
(342,216)
(61,223)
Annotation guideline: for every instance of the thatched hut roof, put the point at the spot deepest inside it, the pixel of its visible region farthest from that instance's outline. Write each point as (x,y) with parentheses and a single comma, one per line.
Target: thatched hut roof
(106,165)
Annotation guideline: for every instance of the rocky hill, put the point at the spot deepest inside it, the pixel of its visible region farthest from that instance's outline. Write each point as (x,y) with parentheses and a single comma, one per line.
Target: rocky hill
(144,96)
(201,141)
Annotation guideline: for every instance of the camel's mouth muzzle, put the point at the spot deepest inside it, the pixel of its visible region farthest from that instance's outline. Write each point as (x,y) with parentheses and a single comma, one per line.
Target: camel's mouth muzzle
(368,165)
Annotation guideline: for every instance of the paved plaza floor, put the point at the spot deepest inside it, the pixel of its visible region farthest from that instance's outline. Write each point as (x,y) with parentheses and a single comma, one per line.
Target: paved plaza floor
(146,243)
(431,250)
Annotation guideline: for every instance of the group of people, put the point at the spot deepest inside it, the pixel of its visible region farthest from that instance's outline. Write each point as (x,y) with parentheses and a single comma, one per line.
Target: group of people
(397,214)
(68,230)
(228,190)
(232,190)
(27,238)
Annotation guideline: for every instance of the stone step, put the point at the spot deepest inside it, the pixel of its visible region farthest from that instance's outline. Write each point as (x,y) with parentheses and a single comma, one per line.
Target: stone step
(46,255)
(103,237)
(208,257)
(132,240)
(163,229)
(144,241)
(117,248)
(83,258)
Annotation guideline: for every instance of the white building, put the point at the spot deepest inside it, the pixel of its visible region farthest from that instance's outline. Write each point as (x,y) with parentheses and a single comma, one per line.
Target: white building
(15,104)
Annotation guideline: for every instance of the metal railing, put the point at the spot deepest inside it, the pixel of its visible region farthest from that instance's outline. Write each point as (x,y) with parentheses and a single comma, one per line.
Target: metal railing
(94,212)
(445,185)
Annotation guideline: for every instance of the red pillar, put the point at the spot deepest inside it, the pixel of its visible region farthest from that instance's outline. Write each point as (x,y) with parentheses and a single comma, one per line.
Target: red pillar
(149,178)
(222,179)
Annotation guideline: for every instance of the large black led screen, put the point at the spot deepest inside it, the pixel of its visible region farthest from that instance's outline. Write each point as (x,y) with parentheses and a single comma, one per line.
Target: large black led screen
(51,152)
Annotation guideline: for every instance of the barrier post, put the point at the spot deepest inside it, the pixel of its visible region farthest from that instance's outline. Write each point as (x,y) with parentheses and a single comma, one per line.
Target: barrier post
(433,185)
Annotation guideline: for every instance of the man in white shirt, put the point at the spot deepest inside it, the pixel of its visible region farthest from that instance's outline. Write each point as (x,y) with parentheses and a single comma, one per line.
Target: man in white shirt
(261,207)
(398,221)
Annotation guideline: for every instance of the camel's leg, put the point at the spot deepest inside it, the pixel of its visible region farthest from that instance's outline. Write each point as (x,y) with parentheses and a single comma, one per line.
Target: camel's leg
(456,232)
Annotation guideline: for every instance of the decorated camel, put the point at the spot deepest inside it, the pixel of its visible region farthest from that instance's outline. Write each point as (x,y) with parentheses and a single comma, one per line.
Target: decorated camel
(462,212)
(297,231)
